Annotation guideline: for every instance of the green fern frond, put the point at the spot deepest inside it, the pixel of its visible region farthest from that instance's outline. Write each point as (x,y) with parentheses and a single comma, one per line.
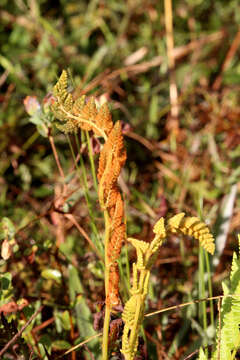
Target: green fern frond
(146,256)
(63,99)
(132,316)
(159,228)
(202,356)
(228,333)
(160,231)
(128,314)
(192,226)
(60,89)
(139,244)
(174,222)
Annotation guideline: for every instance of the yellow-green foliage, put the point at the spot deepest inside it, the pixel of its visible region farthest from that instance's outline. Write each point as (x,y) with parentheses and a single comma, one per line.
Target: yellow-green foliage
(146,254)
(202,355)
(64,100)
(228,333)
(192,226)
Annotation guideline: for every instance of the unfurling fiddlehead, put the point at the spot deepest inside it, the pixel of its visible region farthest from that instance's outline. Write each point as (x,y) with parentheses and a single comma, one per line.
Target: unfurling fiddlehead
(84,114)
(146,254)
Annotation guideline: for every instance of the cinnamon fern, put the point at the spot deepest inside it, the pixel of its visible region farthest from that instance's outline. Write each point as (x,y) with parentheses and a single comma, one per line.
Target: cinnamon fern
(83,113)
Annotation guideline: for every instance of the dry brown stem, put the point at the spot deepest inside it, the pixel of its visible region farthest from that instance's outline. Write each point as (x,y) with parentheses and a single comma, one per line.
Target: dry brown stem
(230,54)
(173,92)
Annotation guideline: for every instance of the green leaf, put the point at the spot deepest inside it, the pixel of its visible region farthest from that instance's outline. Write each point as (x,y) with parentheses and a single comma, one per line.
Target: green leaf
(83,314)
(75,286)
(6,288)
(7,229)
(62,319)
(61,345)
(41,128)
(5,280)
(43,191)
(66,320)
(45,342)
(52,274)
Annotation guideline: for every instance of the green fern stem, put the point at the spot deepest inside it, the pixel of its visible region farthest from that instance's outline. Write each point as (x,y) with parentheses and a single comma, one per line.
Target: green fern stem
(140,305)
(210,291)
(107,266)
(202,292)
(90,150)
(236,347)
(134,329)
(131,330)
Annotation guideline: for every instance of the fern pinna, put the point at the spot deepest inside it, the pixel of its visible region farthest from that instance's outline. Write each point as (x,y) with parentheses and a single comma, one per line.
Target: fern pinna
(82,114)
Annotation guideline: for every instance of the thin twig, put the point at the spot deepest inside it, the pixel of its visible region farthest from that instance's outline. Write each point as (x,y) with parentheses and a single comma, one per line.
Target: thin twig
(72,336)
(16,336)
(43,325)
(56,156)
(189,303)
(81,344)
(148,144)
(219,329)
(3,77)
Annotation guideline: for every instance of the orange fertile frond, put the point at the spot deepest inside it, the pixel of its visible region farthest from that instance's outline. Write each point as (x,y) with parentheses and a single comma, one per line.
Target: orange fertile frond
(113,294)
(88,112)
(115,244)
(111,176)
(116,212)
(102,163)
(112,197)
(111,160)
(78,105)
(103,119)
(116,144)
(85,115)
